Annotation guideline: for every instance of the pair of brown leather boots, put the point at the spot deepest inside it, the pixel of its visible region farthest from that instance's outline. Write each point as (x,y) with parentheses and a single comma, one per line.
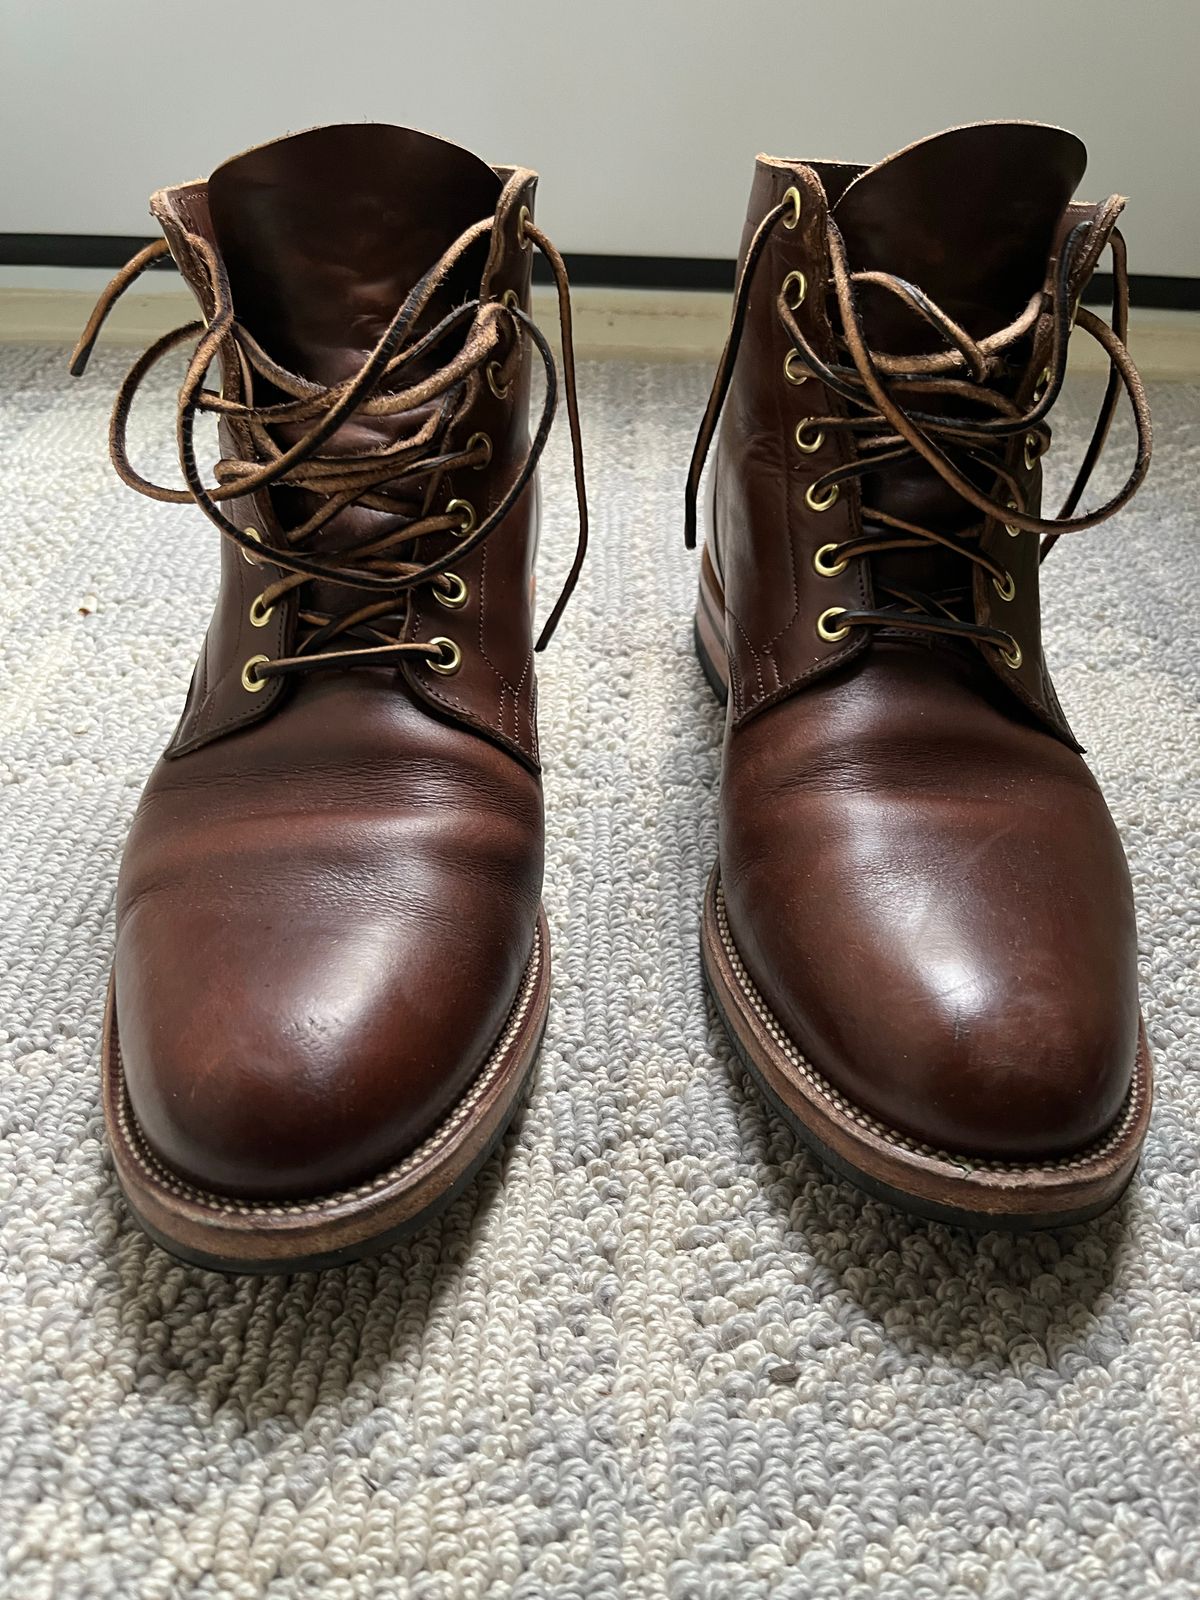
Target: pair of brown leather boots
(332,968)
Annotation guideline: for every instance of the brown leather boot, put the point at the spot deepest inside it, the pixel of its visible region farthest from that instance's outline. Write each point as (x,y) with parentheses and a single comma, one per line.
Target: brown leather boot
(332,968)
(920,929)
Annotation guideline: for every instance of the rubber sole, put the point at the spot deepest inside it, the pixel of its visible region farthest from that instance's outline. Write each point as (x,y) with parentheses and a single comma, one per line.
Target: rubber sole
(944,1186)
(225,1234)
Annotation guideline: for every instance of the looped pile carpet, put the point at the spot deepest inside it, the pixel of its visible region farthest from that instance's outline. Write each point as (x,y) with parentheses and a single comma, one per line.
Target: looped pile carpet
(655,1351)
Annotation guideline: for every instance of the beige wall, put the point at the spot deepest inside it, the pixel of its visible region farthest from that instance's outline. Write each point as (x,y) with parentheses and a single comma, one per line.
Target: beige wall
(643,115)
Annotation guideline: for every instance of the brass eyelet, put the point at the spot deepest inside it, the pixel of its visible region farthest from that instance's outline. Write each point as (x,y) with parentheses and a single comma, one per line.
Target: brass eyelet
(467,519)
(832,568)
(260,614)
(794,199)
(455,596)
(474,442)
(1012,658)
(1006,590)
(491,372)
(1008,527)
(812,443)
(1041,386)
(451,657)
(790,372)
(251,681)
(821,502)
(523,217)
(251,533)
(823,628)
(1033,452)
(510,299)
(801,283)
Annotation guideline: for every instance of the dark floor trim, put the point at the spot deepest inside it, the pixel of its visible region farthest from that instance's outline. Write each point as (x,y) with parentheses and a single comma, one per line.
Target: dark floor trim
(643,272)
(1148,291)
(69,249)
(598,271)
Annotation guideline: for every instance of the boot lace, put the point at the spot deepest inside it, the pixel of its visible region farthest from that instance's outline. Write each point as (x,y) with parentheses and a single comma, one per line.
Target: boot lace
(400,478)
(884,394)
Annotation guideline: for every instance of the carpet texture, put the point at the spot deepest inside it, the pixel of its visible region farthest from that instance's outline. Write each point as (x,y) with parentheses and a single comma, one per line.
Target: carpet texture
(655,1351)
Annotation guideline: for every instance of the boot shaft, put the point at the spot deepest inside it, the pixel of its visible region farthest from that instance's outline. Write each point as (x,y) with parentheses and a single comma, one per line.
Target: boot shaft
(365,291)
(961,258)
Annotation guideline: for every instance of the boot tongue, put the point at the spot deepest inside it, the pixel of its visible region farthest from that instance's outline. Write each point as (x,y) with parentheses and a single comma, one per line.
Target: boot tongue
(969,217)
(325,232)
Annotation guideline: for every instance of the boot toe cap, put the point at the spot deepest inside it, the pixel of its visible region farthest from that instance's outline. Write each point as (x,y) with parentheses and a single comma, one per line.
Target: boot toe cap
(316,1070)
(1000,1022)
(999,1066)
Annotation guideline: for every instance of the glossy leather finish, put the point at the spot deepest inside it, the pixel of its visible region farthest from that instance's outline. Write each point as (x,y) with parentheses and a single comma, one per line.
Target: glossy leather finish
(932,895)
(331,887)
(322,923)
(920,873)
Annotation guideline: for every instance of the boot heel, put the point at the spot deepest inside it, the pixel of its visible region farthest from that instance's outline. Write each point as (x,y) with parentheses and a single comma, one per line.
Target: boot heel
(709,629)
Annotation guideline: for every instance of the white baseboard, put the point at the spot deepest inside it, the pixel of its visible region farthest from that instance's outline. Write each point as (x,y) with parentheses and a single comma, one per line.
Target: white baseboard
(665,324)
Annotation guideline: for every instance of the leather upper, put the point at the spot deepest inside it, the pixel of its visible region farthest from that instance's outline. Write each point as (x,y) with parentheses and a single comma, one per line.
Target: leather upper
(930,893)
(920,873)
(322,923)
(330,890)
(357,251)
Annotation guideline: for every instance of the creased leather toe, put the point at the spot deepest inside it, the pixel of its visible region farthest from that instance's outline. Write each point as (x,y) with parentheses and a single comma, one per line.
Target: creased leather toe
(312,964)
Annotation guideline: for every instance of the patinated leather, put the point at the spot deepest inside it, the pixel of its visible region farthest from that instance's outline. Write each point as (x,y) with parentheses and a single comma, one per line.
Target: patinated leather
(920,873)
(331,885)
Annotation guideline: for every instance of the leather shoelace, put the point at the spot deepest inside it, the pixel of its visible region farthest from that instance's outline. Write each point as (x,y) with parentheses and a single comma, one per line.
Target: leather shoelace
(966,370)
(400,479)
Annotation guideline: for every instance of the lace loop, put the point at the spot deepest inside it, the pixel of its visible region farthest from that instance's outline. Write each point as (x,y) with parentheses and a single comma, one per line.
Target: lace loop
(888,429)
(437,401)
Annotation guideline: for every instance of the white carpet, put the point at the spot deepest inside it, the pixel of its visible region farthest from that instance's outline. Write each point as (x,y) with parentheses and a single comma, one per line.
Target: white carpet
(660,1353)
